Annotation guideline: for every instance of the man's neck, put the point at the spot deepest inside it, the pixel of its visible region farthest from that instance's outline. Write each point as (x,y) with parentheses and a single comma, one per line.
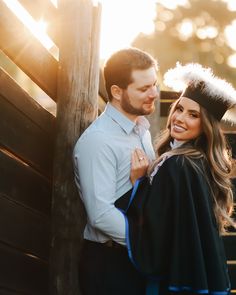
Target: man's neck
(131,117)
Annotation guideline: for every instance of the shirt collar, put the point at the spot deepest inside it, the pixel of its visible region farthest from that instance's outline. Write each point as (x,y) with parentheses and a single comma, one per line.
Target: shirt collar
(126,124)
(176,143)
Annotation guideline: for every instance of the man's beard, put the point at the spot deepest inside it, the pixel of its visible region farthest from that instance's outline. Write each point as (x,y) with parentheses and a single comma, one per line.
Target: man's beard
(128,108)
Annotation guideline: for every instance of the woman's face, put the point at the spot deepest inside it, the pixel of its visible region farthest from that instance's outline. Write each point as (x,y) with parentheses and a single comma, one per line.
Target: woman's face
(185,123)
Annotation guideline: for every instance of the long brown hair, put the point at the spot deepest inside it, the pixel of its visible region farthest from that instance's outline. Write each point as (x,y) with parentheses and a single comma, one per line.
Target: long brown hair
(212,146)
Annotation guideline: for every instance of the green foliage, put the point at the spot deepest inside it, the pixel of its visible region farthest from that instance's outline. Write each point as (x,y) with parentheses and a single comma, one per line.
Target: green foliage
(193,33)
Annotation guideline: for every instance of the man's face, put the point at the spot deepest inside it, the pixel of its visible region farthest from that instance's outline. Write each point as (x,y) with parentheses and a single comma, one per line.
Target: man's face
(139,97)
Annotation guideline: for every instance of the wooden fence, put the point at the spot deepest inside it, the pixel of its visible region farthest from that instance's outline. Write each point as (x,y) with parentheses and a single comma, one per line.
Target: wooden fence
(27,141)
(33,223)
(26,155)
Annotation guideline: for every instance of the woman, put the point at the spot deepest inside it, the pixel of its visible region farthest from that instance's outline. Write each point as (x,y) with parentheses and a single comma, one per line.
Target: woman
(175,217)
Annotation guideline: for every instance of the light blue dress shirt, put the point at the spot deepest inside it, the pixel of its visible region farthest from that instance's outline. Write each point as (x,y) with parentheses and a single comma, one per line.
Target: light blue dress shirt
(102,158)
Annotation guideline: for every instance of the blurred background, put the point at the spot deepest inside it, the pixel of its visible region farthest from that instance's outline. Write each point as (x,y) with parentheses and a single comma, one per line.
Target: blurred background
(171,30)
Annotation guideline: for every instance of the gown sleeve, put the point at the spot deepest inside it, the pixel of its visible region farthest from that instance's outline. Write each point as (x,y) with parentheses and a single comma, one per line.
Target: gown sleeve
(171,231)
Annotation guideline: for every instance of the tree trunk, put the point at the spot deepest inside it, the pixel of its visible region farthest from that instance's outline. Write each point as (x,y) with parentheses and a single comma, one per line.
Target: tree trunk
(77,107)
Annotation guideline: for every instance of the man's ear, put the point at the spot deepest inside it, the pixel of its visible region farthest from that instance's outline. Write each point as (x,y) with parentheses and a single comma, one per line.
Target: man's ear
(116,92)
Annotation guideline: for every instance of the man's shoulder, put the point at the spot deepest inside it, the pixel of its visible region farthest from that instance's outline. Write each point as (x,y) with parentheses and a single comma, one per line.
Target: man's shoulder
(98,127)
(95,135)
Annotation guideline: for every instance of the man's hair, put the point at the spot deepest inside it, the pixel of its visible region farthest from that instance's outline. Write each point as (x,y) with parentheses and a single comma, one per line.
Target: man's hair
(119,67)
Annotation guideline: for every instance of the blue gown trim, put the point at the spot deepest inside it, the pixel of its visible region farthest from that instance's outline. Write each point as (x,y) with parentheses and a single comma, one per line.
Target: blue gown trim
(134,190)
(127,223)
(153,282)
(203,291)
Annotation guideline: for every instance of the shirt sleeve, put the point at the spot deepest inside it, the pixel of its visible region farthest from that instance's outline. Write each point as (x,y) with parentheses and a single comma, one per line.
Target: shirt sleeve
(95,173)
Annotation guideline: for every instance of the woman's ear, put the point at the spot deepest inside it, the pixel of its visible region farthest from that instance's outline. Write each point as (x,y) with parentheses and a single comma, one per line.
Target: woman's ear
(116,92)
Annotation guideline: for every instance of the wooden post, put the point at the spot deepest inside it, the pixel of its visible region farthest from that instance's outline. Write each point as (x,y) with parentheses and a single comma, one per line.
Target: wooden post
(154,120)
(77,106)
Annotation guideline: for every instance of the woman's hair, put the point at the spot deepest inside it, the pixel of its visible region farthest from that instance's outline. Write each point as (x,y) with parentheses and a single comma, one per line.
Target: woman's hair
(212,146)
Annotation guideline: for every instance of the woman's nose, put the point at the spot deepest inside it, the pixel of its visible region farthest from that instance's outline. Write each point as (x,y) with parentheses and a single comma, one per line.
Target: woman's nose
(180,117)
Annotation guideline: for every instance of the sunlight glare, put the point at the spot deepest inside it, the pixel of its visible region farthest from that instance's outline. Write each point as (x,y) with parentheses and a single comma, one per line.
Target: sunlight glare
(37,28)
(41,26)
(231,61)
(122,21)
(170,4)
(230,32)
(207,32)
(54,2)
(96,2)
(231,4)
(185,29)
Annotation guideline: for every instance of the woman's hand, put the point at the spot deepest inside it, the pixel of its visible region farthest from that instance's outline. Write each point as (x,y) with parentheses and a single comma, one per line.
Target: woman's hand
(139,165)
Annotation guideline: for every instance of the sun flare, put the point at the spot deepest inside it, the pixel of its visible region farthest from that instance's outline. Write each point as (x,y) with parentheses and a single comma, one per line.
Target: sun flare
(123,20)
(37,28)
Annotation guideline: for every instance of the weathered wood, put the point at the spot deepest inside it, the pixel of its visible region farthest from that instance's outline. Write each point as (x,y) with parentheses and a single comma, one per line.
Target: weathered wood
(43,10)
(77,108)
(27,140)
(167,98)
(4,291)
(102,88)
(12,92)
(27,52)
(24,229)
(231,137)
(22,273)
(23,185)
(232,229)
(154,120)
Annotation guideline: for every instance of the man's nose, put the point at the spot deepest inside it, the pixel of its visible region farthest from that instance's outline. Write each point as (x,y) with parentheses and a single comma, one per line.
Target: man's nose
(154,91)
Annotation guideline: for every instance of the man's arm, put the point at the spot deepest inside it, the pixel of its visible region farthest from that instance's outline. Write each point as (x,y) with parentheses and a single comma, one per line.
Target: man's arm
(95,170)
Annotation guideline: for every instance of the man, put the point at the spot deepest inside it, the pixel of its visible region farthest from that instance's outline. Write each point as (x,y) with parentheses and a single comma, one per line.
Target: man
(102,158)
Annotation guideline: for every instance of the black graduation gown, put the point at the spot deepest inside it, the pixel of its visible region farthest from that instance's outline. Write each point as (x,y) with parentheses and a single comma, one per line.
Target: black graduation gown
(171,230)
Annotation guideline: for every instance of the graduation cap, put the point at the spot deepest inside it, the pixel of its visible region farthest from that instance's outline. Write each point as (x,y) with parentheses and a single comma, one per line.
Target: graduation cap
(199,84)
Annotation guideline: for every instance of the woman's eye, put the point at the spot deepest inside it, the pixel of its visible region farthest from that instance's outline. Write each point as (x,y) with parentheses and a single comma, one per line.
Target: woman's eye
(194,115)
(179,109)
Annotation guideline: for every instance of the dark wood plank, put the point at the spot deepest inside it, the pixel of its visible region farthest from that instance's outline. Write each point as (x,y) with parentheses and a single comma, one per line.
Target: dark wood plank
(23,185)
(232,275)
(23,273)
(12,92)
(46,11)
(167,98)
(232,229)
(4,291)
(24,229)
(230,246)
(25,139)
(231,137)
(27,52)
